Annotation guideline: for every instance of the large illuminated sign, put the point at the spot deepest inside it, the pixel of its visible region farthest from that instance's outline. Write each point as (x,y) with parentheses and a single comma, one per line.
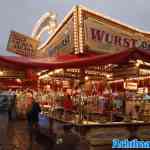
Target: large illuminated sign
(22,44)
(102,37)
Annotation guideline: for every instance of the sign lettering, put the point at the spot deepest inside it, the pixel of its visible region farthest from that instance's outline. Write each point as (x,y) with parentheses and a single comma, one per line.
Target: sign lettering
(100,37)
(22,44)
(103,36)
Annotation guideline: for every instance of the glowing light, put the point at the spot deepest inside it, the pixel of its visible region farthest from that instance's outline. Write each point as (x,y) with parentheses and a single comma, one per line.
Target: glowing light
(146,63)
(130,85)
(108,75)
(86,78)
(51,73)
(75,14)
(116,81)
(58,71)
(18,80)
(139,62)
(48,86)
(39,73)
(44,76)
(81,30)
(40,77)
(1,73)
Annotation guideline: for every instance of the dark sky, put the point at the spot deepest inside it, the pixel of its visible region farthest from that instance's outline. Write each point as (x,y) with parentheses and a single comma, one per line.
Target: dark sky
(21,15)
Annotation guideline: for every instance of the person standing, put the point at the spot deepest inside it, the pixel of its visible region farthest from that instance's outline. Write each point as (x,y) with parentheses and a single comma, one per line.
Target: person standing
(11,105)
(33,116)
(68,108)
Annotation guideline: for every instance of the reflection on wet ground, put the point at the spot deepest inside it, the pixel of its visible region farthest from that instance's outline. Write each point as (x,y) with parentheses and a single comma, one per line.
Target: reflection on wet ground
(14,136)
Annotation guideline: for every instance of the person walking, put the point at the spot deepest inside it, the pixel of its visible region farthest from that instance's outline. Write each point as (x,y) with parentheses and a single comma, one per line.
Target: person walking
(11,106)
(33,117)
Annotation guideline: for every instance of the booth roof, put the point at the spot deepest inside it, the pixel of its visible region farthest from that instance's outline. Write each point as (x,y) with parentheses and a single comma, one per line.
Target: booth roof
(73,61)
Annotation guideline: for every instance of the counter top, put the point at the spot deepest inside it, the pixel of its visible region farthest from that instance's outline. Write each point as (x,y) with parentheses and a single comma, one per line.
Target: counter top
(91,123)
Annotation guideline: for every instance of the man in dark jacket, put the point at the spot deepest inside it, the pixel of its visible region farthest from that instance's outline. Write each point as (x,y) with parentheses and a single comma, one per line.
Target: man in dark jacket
(33,117)
(35,110)
(11,105)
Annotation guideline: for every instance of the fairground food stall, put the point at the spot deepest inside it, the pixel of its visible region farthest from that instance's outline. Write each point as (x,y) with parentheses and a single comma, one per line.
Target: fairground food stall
(99,103)
(102,68)
(100,60)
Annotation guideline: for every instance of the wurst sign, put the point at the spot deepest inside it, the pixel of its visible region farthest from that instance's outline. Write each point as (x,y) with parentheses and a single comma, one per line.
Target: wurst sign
(22,44)
(104,37)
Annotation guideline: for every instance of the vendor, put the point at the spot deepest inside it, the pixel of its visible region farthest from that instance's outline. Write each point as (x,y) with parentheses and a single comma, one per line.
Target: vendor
(68,107)
(139,113)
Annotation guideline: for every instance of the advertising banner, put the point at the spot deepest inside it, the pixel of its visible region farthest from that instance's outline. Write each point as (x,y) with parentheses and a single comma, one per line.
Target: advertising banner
(21,44)
(102,36)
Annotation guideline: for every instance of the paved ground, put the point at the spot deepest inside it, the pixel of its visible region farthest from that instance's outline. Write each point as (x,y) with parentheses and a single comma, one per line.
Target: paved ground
(14,136)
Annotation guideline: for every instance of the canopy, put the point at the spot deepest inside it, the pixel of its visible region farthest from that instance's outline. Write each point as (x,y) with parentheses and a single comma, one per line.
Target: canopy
(73,61)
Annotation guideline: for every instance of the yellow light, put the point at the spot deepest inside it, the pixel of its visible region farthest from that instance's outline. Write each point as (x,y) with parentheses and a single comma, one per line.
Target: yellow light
(1,73)
(46,76)
(86,78)
(18,80)
(139,62)
(116,81)
(108,75)
(146,63)
(58,71)
(48,86)
(51,73)
(39,73)
(40,77)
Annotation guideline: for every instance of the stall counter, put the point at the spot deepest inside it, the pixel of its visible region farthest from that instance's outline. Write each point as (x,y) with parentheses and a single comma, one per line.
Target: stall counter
(99,134)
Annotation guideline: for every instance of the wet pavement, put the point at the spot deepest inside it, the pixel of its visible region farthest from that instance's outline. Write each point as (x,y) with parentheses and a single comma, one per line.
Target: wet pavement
(14,135)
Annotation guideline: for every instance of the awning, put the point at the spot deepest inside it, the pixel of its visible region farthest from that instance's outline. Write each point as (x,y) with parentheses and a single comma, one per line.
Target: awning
(72,61)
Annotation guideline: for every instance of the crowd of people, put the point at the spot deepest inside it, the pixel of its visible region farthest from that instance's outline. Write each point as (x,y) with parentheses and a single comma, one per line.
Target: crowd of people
(68,103)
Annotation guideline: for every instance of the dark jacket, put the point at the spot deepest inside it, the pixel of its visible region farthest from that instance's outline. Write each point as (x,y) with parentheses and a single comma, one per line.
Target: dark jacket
(33,113)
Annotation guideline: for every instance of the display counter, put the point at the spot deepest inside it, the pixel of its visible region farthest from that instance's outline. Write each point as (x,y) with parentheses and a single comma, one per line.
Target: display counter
(100,134)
